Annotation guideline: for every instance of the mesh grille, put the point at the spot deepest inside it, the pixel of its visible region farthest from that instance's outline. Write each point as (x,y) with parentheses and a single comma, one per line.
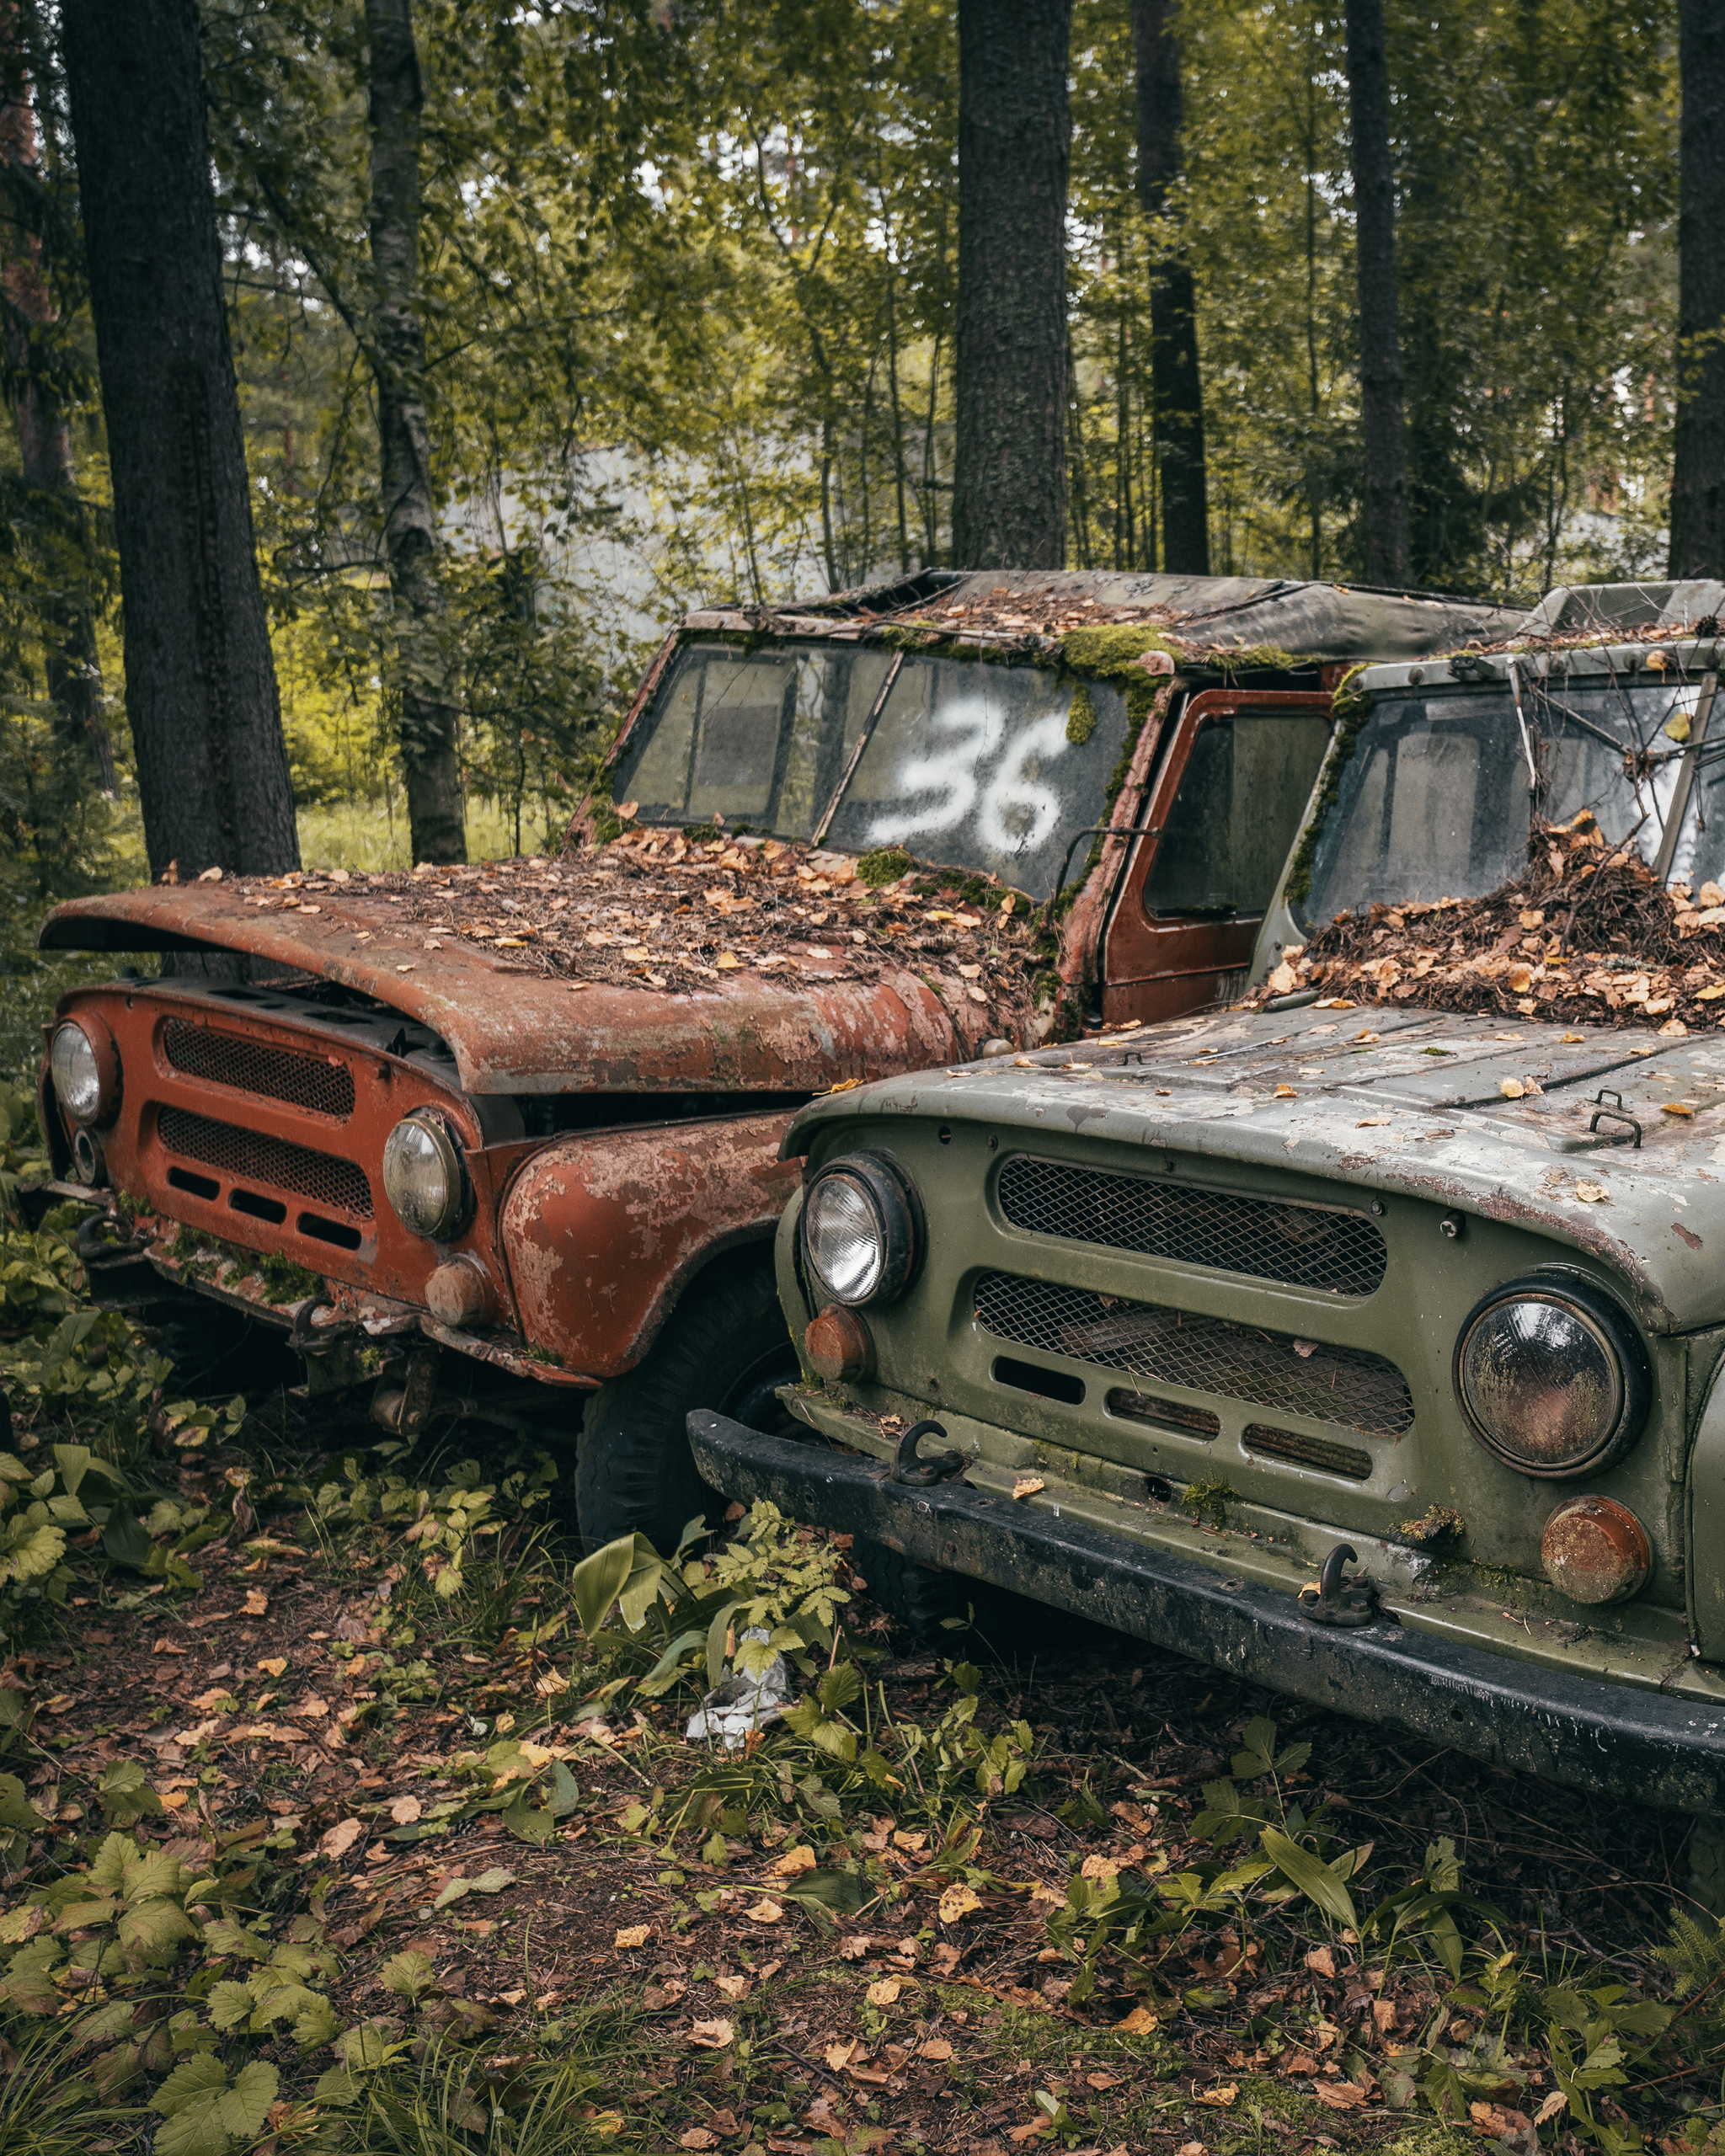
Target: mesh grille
(1308,1452)
(1301,1245)
(276,1074)
(338,1186)
(1331,1384)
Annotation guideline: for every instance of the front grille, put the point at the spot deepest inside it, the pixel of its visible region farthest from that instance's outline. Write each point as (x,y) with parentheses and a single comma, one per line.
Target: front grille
(1347,1385)
(275,1074)
(338,1186)
(1322,1453)
(1176,1414)
(1301,1246)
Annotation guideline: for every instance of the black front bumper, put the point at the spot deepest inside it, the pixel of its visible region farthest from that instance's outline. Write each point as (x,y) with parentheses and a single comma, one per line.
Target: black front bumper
(1651,1747)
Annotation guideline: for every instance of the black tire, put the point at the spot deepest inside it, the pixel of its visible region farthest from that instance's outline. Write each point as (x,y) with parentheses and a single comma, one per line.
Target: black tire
(726,1346)
(920,1598)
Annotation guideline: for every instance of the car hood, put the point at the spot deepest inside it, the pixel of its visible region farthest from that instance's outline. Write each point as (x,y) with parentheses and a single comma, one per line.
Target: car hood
(1513,1123)
(513,1030)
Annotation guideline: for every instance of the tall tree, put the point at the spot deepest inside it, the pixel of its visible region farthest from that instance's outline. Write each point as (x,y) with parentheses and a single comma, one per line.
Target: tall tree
(435,813)
(44,426)
(1177,392)
(199,681)
(1698,466)
(1009,487)
(1386,553)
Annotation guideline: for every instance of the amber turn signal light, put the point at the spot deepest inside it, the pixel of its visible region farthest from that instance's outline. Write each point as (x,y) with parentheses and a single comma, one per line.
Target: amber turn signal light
(1596,1550)
(837,1346)
(459,1293)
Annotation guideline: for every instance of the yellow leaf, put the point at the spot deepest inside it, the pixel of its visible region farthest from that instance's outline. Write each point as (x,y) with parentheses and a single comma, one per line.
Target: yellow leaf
(959,1900)
(1027,1486)
(1574,1040)
(1371,1122)
(1711,994)
(839,2056)
(1673,1029)
(1334,1003)
(936,2048)
(1520,979)
(1592,1193)
(793,1861)
(1676,1107)
(1532,919)
(257,1601)
(628,811)
(636,955)
(1512,1089)
(727,962)
(883,1991)
(274,1665)
(1138,2023)
(1223,2093)
(634,1934)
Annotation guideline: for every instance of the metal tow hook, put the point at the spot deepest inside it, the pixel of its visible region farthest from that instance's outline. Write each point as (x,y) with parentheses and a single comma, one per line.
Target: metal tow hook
(909,1468)
(1333,1600)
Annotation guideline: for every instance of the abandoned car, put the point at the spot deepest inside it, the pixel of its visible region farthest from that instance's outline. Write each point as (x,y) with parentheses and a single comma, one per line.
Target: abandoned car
(1365,1338)
(480,1139)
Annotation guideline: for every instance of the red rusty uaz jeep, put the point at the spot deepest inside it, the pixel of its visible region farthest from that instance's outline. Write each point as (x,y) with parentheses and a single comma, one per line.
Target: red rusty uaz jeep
(504,1141)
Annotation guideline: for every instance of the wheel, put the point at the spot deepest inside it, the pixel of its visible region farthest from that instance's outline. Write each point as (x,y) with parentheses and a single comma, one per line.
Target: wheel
(726,1346)
(917,1596)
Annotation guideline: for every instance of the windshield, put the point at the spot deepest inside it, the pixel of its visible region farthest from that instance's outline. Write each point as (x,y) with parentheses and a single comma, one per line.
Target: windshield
(973,764)
(1245,788)
(1434,802)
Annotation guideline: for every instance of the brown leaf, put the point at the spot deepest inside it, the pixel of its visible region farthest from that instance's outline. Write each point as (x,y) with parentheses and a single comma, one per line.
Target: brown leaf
(1321,1961)
(794,1861)
(765,1911)
(1138,2023)
(633,1935)
(256,1603)
(1223,2092)
(404,1810)
(1340,2095)
(1027,1486)
(959,1900)
(883,1991)
(712,2036)
(340,1838)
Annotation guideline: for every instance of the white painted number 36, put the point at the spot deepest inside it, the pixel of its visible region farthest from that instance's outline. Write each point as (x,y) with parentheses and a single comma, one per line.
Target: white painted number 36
(963,774)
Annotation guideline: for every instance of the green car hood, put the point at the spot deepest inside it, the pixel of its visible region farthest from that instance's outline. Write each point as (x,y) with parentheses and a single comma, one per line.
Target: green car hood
(1504,1121)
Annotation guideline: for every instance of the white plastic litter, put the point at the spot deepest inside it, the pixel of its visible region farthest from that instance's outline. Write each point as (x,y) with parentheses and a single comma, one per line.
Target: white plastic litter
(742,1703)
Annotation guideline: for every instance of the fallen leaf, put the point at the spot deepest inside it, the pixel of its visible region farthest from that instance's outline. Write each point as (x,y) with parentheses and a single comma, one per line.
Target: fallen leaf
(764,1912)
(1677,1108)
(1284,1093)
(1340,2095)
(697,2137)
(1556,2102)
(1321,1961)
(839,2056)
(1138,2023)
(1224,2094)
(257,1601)
(727,962)
(1018,2135)
(634,1934)
(883,1991)
(1592,1193)
(1574,1040)
(731,1988)
(795,1861)
(854,1946)
(1027,1486)
(711,2035)
(274,1665)
(1512,1089)
(936,2049)
(1520,979)
(627,812)
(340,1839)
(404,1810)
(1673,1029)
(1371,1122)
(638,955)
(1103,2080)
(959,1900)
(1532,920)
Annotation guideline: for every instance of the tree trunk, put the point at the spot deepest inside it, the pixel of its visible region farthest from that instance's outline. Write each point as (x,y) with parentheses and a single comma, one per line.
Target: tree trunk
(199,681)
(1387,549)
(1698,463)
(436,819)
(1009,487)
(44,432)
(1176,388)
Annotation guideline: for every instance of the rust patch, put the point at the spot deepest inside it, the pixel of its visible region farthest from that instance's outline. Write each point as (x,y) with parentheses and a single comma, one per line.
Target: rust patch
(1595,1550)
(1687,1234)
(837,1346)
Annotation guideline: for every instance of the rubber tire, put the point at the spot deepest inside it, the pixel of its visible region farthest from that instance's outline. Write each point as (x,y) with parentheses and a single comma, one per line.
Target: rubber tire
(919,1596)
(727,1346)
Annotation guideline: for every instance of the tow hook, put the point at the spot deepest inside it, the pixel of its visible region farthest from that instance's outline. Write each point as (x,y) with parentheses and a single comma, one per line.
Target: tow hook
(909,1467)
(1330,1600)
(407,1409)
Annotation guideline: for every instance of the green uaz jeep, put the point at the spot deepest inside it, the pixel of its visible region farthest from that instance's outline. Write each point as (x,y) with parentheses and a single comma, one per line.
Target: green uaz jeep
(1364,1338)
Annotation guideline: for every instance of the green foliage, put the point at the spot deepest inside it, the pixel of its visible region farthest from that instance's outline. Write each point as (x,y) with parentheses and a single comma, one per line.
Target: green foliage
(448,1524)
(885,865)
(1207,1500)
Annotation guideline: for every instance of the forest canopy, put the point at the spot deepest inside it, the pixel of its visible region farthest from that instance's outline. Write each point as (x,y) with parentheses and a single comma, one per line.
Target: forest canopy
(687,285)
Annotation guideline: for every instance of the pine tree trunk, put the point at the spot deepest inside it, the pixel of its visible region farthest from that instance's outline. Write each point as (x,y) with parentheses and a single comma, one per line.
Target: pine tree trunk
(1009,484)
(1176,388)
(435,813)
(44,431)
(1387,549)
(1698,462)
(199,681)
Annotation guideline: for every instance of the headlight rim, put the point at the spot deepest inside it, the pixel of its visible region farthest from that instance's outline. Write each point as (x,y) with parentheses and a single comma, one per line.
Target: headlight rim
(457,1215)
(898,1210)
(102,1047)
(1584,1298)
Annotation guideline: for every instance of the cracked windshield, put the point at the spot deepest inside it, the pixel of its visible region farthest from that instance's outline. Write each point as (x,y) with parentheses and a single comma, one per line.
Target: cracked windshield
(991,768)
(1435,801)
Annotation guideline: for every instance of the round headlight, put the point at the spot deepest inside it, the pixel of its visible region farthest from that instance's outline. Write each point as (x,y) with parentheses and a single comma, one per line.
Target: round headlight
(85,1068)
(423,1176)
(862,1229)
(1552,1377)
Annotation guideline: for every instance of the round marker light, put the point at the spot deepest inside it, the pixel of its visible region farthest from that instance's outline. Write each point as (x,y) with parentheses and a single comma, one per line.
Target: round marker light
(1552,1377)
(84,1065)
(423,1176)
(862,1229)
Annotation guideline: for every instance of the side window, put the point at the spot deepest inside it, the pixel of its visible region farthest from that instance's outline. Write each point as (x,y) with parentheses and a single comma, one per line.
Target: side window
(1245,788)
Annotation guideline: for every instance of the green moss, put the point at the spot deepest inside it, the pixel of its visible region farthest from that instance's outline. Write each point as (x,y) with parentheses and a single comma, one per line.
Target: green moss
(885,865)
(1112,648)
(288,1282)
(1081,719)
(1348,711)
(1438,1524)
(1208,1502)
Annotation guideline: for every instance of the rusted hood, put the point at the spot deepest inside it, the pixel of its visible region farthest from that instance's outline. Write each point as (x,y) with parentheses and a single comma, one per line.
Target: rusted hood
(513,1029)
(1489,1118)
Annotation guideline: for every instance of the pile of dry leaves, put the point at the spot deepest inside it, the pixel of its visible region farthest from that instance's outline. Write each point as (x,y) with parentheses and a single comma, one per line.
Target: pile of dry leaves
(661,910)
(1586,937)
(1050,613)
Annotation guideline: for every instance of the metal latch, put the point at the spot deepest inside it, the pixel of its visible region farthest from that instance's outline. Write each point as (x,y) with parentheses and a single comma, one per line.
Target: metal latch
(1331,1599)
(1617,1114)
